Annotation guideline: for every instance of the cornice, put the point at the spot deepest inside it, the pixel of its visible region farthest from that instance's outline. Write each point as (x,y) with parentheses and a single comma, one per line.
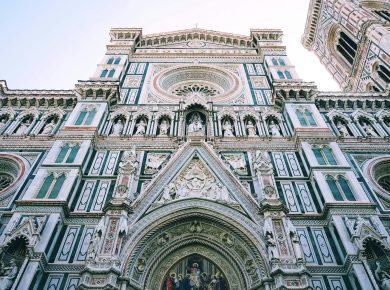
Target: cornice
(312,19)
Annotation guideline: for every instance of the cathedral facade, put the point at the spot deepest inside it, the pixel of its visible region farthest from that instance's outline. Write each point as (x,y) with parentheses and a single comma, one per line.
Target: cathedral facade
(197,160)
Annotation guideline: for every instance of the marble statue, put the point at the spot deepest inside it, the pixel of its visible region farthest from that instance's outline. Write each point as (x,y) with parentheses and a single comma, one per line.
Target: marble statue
(164,127)
(117,128)
(129,163)
(3,122)
(23,128)
(274,129)
(154,161)
(343,130)
(251,129)
(93,246)
(195,124)
(227,129)
(48,128)
(382,277)
(8,277)
(369,130)
(141,128)
(293,234)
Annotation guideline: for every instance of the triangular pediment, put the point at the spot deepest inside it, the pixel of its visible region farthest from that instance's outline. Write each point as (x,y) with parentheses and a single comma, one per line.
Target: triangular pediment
(195,172)
(196,180)
(193,44)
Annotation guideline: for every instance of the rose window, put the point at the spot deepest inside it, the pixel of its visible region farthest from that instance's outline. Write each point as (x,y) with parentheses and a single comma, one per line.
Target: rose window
(199,82)
(381,172)
(10,172)
(187,90)
(5,180)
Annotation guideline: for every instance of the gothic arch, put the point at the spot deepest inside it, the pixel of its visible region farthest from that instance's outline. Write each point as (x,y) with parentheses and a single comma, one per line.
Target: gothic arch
(166,231)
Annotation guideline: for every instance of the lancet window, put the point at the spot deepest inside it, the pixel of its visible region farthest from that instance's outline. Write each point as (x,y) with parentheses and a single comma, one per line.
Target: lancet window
(67,153)
(306,118)
(340,188)
(51,185)
(324,155)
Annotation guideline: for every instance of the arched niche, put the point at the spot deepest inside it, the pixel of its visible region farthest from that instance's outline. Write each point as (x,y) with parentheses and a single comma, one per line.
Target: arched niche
(196,121)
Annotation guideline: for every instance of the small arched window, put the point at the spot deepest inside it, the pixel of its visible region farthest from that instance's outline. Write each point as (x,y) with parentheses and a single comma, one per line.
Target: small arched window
(85,117)
(306,118)
(281,62)
(104,73)
(346,47)
(281,75)
(340,188)
(51,186)
(383,14)
(324,156)
(383,73)
(288,74)
(274,61)
(110,60)
(67,153)
(111,74)
(117,60)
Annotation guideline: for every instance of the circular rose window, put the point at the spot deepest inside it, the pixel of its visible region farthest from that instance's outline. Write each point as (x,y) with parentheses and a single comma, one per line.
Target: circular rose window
(378,172)
(382,174)
(11,170)
(196,81)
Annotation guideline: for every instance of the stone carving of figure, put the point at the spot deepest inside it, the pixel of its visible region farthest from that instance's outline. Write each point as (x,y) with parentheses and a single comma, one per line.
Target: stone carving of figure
(269,239)
(9,275)
(369,130)
(3,122)
(169,193)
(292,232)
(237,161)
(48,128)
(262,163)
(343,130)
(196,123)
(274,129)
(141,128)
(223,193)
(164,127)
(129,162)
(227,129)
(93,246)
(382,277)
(251,129)
(117,129)
(24,125)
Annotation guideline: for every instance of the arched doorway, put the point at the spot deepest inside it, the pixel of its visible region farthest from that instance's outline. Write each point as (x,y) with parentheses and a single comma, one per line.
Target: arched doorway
(219,239)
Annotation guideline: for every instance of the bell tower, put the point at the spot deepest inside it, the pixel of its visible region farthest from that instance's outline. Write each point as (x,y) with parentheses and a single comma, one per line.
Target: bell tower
(352,39)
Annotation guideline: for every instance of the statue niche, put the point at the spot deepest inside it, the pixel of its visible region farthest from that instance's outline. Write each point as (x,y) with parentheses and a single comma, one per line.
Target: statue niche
(118,125)
(196,124)
(49,126)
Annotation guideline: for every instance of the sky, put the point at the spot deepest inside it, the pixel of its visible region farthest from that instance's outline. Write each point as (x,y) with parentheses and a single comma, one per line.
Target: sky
(48,44)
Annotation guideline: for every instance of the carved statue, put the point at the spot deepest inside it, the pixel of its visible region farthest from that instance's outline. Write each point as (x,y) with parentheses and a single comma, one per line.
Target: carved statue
(48,128)
(237,161)
(8,277)
(274,129)
(154,161)
(262,163)
(117,128)
(195,124)
(228,130)
(3,122)
(343,130)
(129,163)
(93,246)
(164,127)
(271,247)
(292,232)
(251,129)
(141,128)
(382,277)
(169,193)
(23,127)
(369,130)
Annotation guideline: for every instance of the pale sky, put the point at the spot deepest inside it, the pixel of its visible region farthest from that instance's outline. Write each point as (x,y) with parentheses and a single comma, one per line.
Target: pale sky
(48,44)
